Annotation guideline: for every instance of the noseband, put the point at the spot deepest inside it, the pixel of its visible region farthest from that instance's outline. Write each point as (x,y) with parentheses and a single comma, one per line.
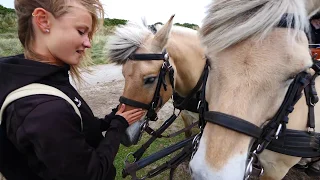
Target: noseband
(157,99)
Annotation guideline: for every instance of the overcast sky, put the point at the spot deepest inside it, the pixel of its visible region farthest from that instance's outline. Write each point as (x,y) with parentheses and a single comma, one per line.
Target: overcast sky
(186,11)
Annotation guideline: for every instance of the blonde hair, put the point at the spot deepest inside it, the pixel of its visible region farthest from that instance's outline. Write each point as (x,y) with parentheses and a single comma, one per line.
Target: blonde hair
(57,8)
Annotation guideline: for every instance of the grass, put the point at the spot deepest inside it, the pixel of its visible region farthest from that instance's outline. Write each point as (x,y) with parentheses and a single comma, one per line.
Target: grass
(156,146)
(9,45)
(97,51)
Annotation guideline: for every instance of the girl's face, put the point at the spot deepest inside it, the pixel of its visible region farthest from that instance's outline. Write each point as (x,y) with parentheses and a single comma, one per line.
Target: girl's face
(69,35)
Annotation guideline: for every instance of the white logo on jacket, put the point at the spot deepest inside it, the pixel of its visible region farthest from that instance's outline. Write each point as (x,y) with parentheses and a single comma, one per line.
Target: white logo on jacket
(77,101)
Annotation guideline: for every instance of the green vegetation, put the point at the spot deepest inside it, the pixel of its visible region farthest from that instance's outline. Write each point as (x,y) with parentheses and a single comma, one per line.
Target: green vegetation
(8,22)
(188,25)
(114,22)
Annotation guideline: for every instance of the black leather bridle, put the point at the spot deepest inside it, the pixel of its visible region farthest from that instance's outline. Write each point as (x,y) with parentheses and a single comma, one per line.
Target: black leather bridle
(266,137)
(157,99)
(274,135)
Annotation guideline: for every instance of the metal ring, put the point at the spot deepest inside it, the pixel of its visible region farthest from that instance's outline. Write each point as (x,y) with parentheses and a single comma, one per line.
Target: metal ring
(278,131)
(166,56)
(199,103)
(126,159)
(311,103)
(310,129)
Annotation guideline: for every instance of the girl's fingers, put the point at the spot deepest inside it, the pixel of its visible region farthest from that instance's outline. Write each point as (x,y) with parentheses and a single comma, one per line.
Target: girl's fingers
(139,113)
(133,111)
(121,109)
(135,117)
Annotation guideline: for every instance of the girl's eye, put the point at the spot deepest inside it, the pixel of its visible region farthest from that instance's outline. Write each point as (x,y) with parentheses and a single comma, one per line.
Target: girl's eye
(80,32)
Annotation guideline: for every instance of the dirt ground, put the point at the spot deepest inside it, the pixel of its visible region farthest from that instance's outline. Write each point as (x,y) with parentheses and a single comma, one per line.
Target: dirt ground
(105,87)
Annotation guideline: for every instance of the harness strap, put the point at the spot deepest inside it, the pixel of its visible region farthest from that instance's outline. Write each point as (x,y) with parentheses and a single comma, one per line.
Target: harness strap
(203,106)
(233,123)
(133,103)
(172,163)
(152,132)
(138,154)
(191,105)
(311,99)
(132,168)
(146,57)
(297,143)
(292,96)
(311,118)
(184,103)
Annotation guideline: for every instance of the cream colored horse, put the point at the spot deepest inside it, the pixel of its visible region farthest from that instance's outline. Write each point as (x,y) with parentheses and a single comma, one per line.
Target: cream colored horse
(252,65)
(186,57)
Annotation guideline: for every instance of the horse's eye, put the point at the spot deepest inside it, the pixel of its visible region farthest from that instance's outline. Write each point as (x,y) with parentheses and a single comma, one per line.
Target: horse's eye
(149,80)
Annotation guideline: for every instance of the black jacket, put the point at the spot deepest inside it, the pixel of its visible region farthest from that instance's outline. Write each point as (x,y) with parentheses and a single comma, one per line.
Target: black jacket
(314,33)
(41,135)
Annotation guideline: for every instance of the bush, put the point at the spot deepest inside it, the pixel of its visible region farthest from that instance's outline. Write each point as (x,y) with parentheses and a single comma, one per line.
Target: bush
(114,22)
(97,51)
(9,47)
(8,20)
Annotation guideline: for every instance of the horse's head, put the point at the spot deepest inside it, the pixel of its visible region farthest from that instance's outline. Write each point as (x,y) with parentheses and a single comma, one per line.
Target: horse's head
(143,56)
(256,49)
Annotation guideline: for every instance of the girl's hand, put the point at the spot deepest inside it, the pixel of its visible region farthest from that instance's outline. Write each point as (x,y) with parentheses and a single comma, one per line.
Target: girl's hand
(131,116)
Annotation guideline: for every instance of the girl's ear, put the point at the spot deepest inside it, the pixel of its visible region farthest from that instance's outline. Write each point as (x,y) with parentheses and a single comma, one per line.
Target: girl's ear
(41,19)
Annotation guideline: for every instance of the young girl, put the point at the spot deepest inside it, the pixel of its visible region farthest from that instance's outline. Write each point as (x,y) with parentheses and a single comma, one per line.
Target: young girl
(41,135)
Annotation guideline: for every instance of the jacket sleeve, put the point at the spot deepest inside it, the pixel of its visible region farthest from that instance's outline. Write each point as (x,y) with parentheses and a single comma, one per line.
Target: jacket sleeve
(59,144)
(105,122)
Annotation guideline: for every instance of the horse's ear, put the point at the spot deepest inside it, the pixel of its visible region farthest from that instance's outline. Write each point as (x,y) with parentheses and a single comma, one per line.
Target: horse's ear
(161,37)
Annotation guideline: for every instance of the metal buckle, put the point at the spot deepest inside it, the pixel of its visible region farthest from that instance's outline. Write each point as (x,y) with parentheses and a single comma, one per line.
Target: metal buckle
(278,131)
(152,106)
(199,103)
(142,128)
(311,103)
(195,143)
(166,57)
(310,129)
(249,168)
(165,65)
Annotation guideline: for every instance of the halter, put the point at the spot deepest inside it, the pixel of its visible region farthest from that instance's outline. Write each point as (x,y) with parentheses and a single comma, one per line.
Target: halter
(157,99)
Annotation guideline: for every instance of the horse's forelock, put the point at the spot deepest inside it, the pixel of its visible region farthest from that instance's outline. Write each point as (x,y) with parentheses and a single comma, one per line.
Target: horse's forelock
(230,22)
(125,40)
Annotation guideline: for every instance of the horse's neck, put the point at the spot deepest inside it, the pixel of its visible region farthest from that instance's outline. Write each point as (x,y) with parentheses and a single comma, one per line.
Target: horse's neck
(188,59)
